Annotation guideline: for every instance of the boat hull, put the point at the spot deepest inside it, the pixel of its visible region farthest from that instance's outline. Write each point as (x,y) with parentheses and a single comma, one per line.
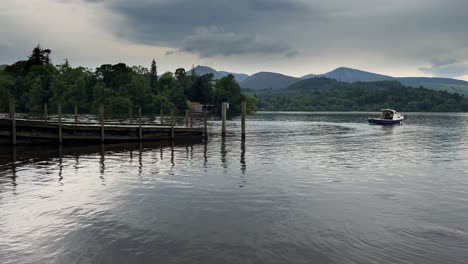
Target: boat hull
(377,121)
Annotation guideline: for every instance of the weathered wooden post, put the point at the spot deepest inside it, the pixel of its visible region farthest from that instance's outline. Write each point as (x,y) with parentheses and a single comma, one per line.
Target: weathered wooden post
(140,129)
(162,116)
(76,114)
(191,121)
(59,114)
(243,115)
(101,121)
(205,124)
(172,124)
(223,116)
(130,117)
(13,120)
(186,118)
(45,112)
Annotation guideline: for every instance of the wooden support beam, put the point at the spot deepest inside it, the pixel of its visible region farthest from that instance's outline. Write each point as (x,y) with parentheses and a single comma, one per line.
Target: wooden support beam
(59,114)
(140,129)
(243,115)
(205,124)
(13,120)
(76,114)
(186,118)
(130,114)
(172,124)
(223,118)
(162,116)
(101,120)
(45,112)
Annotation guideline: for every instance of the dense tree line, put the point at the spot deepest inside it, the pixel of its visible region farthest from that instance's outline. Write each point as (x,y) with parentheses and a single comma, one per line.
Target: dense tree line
(119,88)
(322,94)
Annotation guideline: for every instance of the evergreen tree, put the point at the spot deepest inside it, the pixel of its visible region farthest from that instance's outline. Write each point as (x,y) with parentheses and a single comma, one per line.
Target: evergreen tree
(154,77)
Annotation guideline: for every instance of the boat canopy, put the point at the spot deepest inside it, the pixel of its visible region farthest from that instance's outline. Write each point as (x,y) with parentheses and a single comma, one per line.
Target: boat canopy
(388,110)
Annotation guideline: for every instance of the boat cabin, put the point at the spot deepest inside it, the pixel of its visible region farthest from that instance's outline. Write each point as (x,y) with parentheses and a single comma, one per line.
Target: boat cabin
(387,114)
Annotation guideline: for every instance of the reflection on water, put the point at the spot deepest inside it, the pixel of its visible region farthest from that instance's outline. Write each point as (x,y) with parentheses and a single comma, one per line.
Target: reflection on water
(301,188)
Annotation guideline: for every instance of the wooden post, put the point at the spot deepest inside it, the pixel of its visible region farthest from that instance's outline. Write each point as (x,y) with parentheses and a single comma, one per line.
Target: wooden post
(172,124)
(76,114)
(130,117)
(13,120)
(223,116)
(243,115)
(162,116)
(59,114)
(101,121)
(205,124)
(186,118)
(191,121)
(45,112)
(140,129)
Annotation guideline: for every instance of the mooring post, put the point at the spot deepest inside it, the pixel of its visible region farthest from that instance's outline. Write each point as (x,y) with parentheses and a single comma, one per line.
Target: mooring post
(101,121)
(130,114)
(140,129)
(59,114)
(45,112)
(76,114)
(191,121)
(205,124)
(172,124)
(162,116)
(13,120)
(186,118)
(243,115)
(223,116)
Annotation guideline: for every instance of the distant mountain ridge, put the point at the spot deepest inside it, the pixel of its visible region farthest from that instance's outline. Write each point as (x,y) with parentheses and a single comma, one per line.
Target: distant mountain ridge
(268,80)
(271,80)
(202,70)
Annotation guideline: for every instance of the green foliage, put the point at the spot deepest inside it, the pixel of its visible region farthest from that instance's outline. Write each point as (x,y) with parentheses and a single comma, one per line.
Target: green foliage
(321,94)
(119,88)
(227,88)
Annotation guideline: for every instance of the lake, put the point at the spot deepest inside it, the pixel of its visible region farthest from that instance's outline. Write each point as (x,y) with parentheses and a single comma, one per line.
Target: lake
(302,188)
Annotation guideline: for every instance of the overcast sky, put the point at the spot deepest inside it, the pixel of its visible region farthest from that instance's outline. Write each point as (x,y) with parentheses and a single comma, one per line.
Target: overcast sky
(295,37)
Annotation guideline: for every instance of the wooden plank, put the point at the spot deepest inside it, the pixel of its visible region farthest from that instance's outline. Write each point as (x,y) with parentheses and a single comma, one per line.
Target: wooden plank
(223,118)
(59,113)
(13,120)
(140,129)
(45,111)
(205,124)
(172,124)
(76,114)
(162,116)
(243,115)
(101,120)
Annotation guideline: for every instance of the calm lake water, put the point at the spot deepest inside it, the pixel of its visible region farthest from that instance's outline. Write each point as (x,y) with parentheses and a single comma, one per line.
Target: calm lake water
(302,188)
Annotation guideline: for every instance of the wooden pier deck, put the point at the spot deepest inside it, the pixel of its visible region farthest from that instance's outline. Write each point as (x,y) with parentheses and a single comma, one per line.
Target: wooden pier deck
(23,131)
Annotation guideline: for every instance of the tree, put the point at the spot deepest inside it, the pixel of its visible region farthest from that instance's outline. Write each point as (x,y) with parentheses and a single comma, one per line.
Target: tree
(154,77)
(39,56)
(228,88)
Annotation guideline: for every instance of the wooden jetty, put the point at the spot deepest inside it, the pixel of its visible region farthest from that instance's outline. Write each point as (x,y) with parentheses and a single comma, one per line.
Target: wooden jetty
(24,131)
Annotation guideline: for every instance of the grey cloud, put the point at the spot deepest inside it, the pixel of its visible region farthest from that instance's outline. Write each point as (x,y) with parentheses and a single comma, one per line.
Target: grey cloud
(214,41)
(447,70)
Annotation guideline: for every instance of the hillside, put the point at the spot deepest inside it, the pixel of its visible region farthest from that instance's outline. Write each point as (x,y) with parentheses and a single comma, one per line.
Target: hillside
(3,66)
(322,94)
(202,70)
(353,75)
(268,80)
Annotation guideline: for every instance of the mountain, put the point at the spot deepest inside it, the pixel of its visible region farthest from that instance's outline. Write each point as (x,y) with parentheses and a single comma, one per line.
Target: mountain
(308,76)
(3,66)
(268,80)
(202,70)
(353,75)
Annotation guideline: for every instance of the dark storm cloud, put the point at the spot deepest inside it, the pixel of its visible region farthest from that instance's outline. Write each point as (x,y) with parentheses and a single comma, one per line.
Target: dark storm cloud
(215,41)
(188,25)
